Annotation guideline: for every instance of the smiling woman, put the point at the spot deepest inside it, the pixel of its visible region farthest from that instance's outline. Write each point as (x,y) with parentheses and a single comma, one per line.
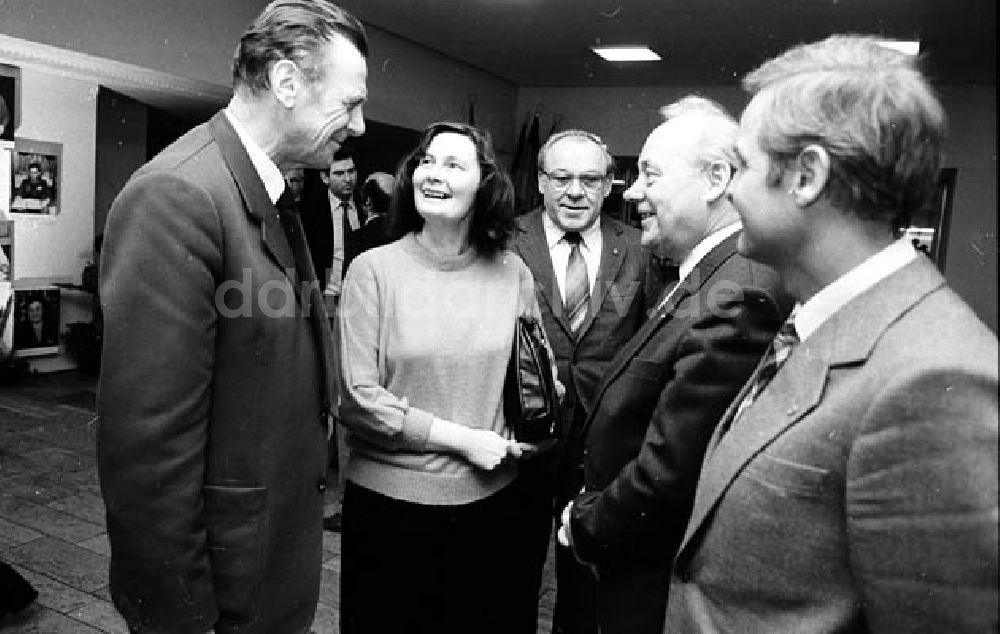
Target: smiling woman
(439,497)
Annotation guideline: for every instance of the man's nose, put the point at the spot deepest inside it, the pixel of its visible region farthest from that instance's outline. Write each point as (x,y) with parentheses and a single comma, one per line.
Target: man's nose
(633,193)
(356,126)
(575,188)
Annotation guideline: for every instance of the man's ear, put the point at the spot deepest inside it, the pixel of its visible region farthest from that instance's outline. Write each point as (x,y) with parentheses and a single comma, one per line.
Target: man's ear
(719,173)
(541,183)
(286,82)
(810,174)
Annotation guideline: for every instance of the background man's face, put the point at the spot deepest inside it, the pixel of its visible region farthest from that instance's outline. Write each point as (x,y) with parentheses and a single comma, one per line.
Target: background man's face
(34,174)
(576,204)
(343,176)
(296,181)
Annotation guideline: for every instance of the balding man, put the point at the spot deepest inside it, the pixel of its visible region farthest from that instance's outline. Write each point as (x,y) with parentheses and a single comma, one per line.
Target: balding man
(665,390)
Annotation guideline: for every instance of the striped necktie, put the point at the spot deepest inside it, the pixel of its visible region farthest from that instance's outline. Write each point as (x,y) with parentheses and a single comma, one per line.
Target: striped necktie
(776,355)
(577,282)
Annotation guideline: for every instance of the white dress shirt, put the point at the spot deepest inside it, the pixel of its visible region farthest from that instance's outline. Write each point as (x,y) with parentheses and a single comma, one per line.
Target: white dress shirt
(270,175)
(837,294)
(590,248)
(698,254)
(333,283)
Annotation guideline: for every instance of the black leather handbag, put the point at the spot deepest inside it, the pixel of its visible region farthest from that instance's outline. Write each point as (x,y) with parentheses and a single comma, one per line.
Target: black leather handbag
(530,400)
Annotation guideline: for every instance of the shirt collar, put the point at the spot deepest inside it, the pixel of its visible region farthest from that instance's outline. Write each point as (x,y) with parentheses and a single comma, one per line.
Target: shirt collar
(838,293)
(268,172)
(704,247)
(554,234)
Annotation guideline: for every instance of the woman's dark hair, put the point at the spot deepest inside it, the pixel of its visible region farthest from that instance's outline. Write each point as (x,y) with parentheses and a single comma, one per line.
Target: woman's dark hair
(493,208)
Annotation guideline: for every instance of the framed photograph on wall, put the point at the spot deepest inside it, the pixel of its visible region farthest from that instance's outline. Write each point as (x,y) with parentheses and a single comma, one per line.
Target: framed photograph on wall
(10,99)
(36,174)
(36,321)
(6,250)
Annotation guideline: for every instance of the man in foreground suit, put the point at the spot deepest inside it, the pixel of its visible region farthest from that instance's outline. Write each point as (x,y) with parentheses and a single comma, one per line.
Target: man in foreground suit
(663,393)
(856,491)
(216,384)
(574,178)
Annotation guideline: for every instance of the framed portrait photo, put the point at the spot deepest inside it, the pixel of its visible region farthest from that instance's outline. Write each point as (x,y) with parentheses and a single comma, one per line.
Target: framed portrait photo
(10,98)
(36,171)
(36,321)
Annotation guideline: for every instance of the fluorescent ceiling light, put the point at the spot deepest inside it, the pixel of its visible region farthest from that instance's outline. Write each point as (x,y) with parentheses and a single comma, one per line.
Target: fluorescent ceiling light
(908,47)
(626,53)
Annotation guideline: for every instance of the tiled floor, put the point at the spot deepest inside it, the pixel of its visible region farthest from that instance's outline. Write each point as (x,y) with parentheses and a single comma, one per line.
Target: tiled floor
(52,517)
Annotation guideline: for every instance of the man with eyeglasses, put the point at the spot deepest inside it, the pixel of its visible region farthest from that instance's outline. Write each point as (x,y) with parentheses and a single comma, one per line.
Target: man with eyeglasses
(664,392)
(591,278)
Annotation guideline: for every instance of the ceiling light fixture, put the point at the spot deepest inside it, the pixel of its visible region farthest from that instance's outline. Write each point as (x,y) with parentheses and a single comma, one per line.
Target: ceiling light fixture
(626,53)
(907,47)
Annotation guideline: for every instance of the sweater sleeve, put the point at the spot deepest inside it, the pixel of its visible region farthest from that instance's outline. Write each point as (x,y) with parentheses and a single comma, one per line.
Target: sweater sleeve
(367,408)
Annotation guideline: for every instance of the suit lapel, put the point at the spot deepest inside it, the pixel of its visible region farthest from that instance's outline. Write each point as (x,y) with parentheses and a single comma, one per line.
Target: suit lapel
(847,337)
(690,286)
(535,251)
(258,203)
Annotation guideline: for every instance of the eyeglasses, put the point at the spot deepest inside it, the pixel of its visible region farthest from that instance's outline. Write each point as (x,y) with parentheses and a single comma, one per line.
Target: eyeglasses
(562,181)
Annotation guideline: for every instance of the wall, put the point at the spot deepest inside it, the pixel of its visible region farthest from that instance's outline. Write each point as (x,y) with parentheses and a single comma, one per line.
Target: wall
(120,150)
(409,85)
(623,117)
(59,109)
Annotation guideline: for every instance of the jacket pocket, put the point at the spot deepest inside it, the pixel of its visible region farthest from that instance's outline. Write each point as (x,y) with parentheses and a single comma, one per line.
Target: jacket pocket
(235,522)
(789,478)
(645,369)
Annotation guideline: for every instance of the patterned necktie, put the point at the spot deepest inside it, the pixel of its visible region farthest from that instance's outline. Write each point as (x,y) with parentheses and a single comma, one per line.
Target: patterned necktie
(776,355)
(577,282)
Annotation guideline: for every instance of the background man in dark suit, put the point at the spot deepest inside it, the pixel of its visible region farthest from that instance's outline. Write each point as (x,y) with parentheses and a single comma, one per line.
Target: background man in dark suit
(663,393)
(216,383)
(610,288)
(856,491)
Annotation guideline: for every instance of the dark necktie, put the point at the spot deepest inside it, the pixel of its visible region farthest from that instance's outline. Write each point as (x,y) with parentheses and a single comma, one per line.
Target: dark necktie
(577,283)
(306,277)
(776,355)
(351,215)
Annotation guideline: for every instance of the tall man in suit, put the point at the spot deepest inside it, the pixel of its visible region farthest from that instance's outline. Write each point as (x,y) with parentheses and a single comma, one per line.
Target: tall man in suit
(664,391)
(852,487)
(215,390)
(591,279)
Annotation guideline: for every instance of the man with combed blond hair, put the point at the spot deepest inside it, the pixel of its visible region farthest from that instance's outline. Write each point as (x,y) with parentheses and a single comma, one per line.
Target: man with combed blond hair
(852,485)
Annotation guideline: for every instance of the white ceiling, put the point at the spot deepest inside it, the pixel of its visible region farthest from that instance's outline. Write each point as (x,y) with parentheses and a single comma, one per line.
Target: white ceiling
(546,42)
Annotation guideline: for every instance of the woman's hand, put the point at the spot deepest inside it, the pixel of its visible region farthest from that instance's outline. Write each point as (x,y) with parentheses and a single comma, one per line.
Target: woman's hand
(482,448)
(487,449)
